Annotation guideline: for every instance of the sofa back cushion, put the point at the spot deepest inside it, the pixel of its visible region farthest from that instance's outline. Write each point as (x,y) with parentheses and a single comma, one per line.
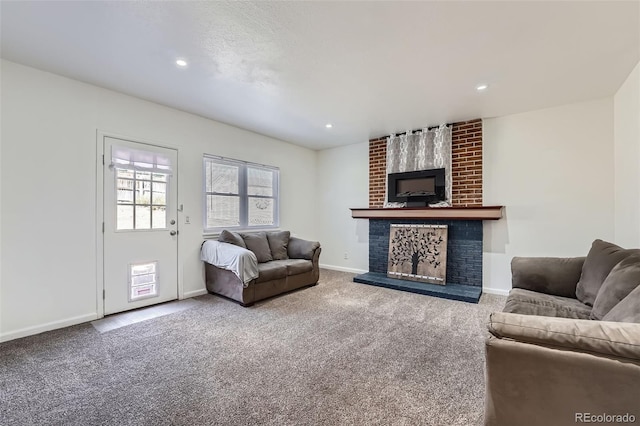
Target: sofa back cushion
(627,310)
(557,276)
(601,259)
(231,238)
(258,244)
(278,243)
(621,281)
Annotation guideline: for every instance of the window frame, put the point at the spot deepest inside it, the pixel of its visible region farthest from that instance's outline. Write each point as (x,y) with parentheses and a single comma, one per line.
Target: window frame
(243,194)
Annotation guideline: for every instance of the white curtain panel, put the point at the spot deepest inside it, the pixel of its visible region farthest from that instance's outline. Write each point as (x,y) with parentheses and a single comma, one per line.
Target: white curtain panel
(422,150)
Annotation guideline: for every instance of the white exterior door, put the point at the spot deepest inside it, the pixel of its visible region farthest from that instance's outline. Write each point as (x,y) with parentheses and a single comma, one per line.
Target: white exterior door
(140,225)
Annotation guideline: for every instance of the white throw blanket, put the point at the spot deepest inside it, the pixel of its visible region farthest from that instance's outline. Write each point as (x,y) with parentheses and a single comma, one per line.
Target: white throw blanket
(238,260)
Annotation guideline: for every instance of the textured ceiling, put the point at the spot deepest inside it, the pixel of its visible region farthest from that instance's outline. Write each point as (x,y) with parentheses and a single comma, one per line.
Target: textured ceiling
(285,69)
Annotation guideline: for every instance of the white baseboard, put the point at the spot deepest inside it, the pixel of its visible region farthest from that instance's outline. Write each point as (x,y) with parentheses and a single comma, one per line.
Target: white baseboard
(194,293)
(41,328)
(343,269)
(498,291)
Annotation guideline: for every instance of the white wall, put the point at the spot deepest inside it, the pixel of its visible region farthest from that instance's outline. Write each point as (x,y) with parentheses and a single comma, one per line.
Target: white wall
(553,170)
(626,107)
(48,189)
(343,183)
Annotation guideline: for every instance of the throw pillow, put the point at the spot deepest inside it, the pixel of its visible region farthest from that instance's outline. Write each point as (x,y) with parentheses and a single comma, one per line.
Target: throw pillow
(628,310)
(231,238)
(258,244)
(601,259)
(621,281)
(278,243)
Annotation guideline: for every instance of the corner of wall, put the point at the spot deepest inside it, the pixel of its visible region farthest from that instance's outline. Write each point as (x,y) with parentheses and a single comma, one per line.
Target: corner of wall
(626,135)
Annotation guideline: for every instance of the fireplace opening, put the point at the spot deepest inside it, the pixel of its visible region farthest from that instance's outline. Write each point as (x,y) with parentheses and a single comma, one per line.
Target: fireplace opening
(418,188)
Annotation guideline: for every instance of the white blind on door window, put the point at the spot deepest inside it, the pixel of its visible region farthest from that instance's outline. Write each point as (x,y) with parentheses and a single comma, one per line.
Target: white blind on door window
(144,161)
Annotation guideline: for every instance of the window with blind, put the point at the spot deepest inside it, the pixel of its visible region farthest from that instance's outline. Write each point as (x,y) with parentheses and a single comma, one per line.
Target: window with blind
(141,184)
(239,195)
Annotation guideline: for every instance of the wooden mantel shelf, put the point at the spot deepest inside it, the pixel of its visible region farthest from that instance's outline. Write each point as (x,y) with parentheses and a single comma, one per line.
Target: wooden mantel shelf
(444,213)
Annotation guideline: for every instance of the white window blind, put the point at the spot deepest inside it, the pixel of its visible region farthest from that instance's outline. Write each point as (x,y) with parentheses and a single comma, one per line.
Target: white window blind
(142,161)
(239,195)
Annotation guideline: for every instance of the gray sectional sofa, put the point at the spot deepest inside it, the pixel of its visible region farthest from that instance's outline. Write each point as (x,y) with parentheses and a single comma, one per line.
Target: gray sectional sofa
(566,348)
(249,267)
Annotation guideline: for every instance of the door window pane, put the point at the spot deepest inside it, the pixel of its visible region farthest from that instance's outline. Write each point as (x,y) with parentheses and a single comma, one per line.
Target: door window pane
(159,194)
(143,175)
(124,217)
(124,173)
(143,217)
(125,196)
(143,192)
(159,217)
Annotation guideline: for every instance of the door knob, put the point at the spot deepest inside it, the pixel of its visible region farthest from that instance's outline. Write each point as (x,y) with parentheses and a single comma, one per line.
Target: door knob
(172,233)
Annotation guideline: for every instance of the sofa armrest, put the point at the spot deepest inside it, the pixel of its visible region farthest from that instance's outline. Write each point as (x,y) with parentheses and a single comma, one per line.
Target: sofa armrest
(557,276)
(557,371)
(613,339)
(302,249)
(242,262)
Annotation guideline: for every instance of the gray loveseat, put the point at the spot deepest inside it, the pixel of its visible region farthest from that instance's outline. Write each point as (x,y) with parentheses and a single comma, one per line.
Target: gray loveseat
(250,267)
(566,348)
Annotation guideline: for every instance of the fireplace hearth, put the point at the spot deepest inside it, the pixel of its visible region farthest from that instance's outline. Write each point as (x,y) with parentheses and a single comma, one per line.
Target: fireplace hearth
(463,266)
(464,248)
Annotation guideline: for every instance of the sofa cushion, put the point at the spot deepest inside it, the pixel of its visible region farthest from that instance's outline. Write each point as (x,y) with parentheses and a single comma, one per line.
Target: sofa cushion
(601,259)
(627,310)
(298,266)
(270,271)
(257,243)
(528,302)
(294,266)
(231,238)
(278,243)
(621,281)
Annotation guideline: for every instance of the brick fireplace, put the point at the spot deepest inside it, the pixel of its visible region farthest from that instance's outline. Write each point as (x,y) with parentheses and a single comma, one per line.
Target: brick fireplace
(464,219)
(466,159)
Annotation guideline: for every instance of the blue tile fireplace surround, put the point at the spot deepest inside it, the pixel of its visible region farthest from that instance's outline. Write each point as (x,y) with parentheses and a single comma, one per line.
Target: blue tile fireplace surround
(464,249)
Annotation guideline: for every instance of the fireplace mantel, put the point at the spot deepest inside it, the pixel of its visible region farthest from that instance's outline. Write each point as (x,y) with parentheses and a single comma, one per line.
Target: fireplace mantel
(436,213)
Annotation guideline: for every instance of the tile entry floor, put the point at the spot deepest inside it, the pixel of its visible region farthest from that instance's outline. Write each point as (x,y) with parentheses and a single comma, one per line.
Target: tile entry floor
(123,319)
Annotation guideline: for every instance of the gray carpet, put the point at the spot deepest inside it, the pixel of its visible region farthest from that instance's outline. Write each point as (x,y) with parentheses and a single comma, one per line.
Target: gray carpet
(339,353)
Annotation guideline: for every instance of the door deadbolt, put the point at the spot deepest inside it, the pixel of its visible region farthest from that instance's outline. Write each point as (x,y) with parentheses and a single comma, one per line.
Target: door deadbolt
(173,222)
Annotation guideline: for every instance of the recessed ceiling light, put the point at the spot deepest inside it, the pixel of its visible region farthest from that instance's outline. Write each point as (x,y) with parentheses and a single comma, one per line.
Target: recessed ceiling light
(181,63)
(482,87)
(328,125)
